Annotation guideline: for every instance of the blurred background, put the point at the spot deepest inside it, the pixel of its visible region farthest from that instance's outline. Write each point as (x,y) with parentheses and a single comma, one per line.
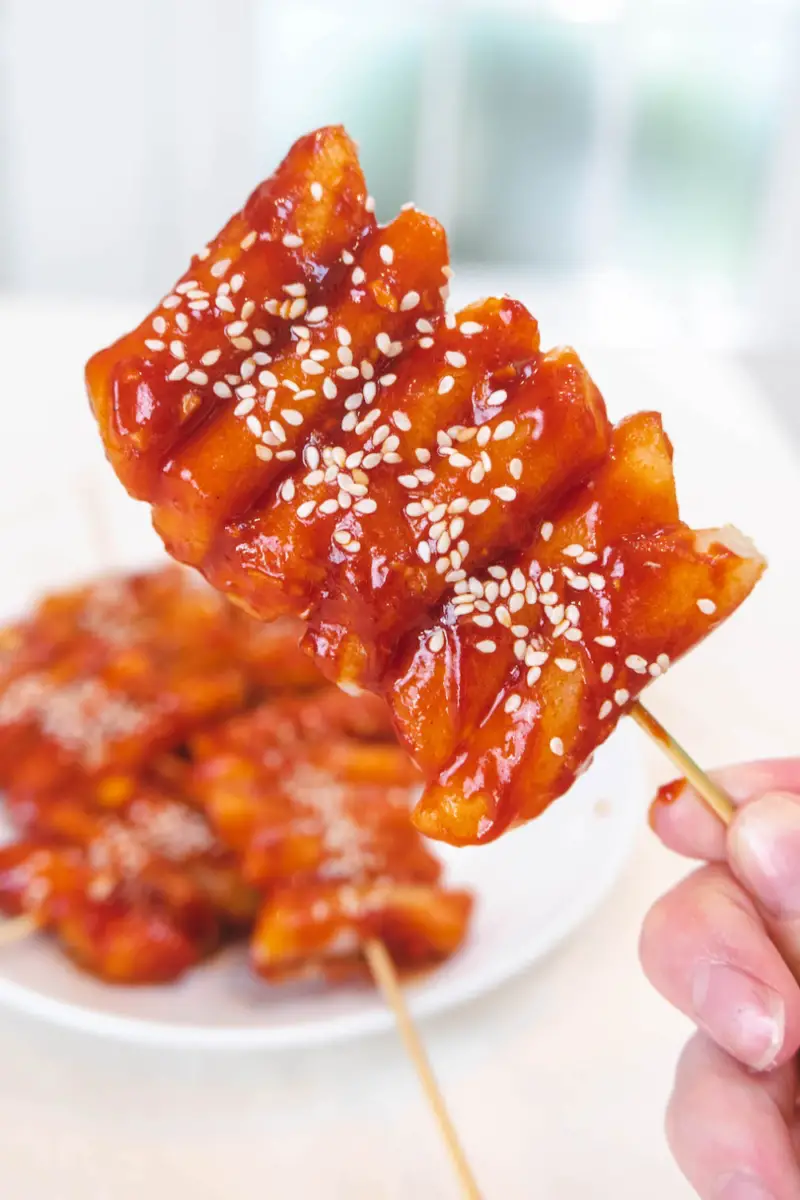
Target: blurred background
(628,166)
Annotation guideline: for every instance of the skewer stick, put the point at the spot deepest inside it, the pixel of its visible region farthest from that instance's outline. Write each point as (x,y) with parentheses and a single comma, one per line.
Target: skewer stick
(713,796)
(16,929)
(383,970)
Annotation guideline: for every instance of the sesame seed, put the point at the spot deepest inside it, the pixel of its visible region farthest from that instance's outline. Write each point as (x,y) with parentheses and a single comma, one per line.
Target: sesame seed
(316,314)
(154,344)
(242,343)
(262,337)
(636,663)
(534,675)
(177,349)
(387,254)
(573,550)
(316,189)
(596,581)
(278,430)
(222,390)
(254,425)
(605,709)
(170,301)
(329,506)
(565,664)
(560,629)
(267,379)
(291,416)
(505,493)
(460,460)
(210,357)
(409,481)
(198,377)
(292,240)
(606,639)
(328,388)
(470,327)
(347,258)
(179,372)
(512,703)
(486,647)
(263,452)
(424,475)
(237,282)
(622,696)
(515,468)
(498,397)
(579,583)
(663,661)
(479,506)
(310,367)
(358,276)
(484,435)
(706,606)
(342,537)
(424,552)
(456,358)
(369,204)
(436,641)
(546,531)
(224,304)
(219,268)
(306,508)
(607,672)
(248,240)
(557,746)
(586,558)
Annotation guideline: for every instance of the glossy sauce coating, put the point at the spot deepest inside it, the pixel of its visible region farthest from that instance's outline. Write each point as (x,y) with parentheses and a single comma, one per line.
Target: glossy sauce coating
(444,504)
(103,677)
(315,799)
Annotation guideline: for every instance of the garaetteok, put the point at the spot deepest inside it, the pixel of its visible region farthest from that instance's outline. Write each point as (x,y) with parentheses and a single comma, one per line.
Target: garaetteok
(444,504)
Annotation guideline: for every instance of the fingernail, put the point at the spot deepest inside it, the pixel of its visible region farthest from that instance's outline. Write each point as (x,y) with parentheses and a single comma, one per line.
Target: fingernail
(764,845)
(666,795)
(742,1187)
(743,1015)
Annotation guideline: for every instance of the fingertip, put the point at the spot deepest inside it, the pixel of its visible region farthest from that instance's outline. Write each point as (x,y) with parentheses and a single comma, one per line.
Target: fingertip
(680,820)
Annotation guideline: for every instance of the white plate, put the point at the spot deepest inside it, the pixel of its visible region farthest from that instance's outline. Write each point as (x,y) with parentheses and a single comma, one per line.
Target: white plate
(533,887)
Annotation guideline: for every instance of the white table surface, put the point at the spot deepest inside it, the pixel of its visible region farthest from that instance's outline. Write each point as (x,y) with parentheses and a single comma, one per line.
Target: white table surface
(558,1080)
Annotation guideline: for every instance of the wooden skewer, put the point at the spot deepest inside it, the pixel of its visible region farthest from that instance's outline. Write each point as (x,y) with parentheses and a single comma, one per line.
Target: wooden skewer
(713,796)
(385,975)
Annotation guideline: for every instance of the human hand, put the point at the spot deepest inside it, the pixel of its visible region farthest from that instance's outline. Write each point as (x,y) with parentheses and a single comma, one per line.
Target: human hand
(724,947)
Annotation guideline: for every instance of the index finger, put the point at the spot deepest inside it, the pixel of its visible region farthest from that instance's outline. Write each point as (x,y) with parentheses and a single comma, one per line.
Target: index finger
(683,823)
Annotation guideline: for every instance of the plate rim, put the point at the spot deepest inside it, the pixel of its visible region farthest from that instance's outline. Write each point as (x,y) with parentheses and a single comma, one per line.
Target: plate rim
(425,1000)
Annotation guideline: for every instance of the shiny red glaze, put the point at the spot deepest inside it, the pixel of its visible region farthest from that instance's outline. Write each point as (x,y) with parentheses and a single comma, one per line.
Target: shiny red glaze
(448,455)
(318,930)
